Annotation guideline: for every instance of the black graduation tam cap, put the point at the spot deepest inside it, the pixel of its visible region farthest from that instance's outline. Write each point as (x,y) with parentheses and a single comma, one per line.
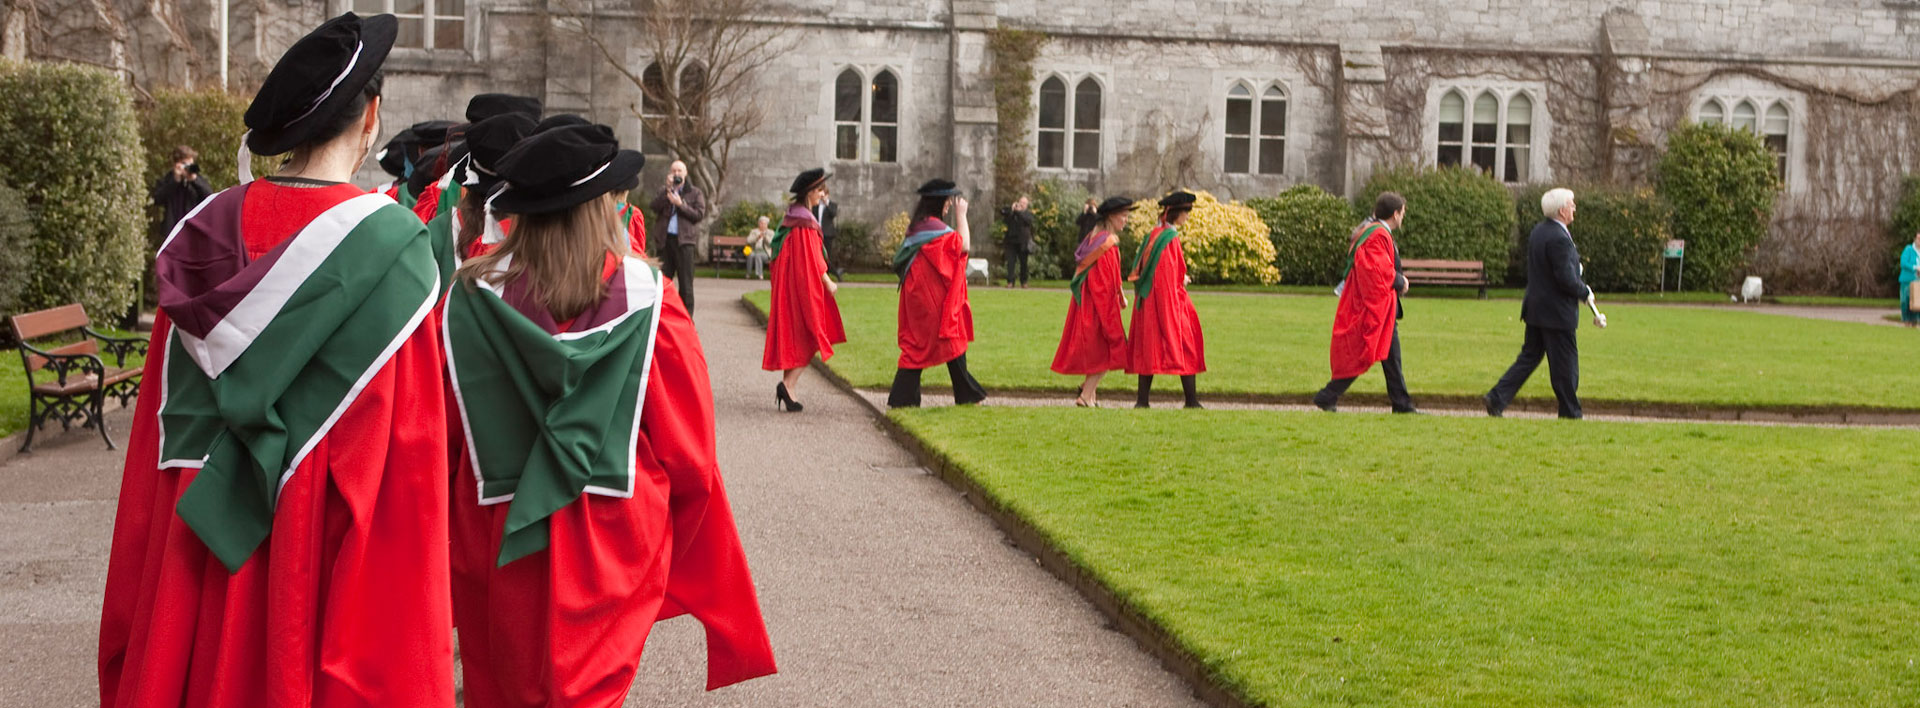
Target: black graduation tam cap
(488,105)
(939,188)
(1179,198)
(808,180)
(489,140)
(318,77)
(1114,204)
(563,168)
(431,133)
(559,120)
(428,167)
(393,157)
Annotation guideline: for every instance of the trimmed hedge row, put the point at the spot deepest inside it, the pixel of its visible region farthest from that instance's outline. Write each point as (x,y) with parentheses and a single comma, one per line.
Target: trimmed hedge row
(207,121)
(1452,213)
(1309,229)
(1721,182)
(70,137)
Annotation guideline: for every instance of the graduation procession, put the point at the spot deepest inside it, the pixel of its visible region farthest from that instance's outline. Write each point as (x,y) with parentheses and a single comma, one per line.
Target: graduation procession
(412,404)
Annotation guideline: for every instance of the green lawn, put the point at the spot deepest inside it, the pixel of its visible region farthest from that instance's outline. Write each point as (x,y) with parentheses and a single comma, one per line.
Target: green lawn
(1373,560)
(1278,346)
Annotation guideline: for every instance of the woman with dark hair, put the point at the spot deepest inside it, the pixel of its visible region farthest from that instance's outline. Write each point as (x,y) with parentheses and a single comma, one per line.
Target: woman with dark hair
(1094,341)
(935,321)
(281,538)
(1165,336)
(588,502)
(803,317)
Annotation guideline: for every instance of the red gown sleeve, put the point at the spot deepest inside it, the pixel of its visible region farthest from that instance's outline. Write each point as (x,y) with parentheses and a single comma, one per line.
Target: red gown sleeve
(709,578)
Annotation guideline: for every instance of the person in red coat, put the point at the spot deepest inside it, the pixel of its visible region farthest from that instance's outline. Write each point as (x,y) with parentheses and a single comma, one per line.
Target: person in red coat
(935,322)
(281,536)
(588,503)
(803,318)
(1165,338)
(1366,324)
(1094,342)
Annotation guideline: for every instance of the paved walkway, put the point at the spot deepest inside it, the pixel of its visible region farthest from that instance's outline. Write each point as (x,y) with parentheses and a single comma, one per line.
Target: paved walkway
(881,585)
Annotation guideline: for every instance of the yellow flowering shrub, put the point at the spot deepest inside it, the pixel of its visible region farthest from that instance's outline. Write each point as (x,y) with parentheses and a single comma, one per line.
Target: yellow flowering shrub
(893,232)
(1225,242)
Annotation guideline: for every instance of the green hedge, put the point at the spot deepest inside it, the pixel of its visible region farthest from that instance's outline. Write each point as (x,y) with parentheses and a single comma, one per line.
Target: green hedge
(70,137)
(1055,206)
(1906,216)
(16,258)
(1452,213)
(743,216)
(1620,232)
(207,121)
(1309,229)
(1721,183)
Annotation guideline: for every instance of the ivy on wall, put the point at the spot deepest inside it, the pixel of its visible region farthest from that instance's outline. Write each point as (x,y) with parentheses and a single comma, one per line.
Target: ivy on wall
(1012,51)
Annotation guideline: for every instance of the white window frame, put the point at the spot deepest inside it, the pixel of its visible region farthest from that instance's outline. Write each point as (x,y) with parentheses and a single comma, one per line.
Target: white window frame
(1763,100)
(1259,89)
(1103,132)
(863,146)
(1540,122)
(429,21)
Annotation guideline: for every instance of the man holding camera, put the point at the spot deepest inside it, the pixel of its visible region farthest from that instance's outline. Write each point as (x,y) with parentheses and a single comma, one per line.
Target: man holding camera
(678,212)
(180,189)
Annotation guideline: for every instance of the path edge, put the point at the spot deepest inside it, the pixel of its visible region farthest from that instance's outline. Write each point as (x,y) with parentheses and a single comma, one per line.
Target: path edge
(1121,615)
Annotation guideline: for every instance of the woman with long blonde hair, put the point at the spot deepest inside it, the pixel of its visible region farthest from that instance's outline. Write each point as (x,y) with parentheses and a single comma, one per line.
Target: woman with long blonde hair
(587,501)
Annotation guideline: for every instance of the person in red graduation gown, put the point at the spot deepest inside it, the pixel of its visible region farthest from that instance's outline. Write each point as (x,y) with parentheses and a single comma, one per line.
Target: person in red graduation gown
(562,563)
(334,593)
(453,153)
(1366,325)
(1094,341)
(1165,337)
(935,322)
(803,319)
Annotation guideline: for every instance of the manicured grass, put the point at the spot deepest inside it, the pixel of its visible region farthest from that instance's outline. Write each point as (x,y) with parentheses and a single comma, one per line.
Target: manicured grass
(1372,560)
(1278,346)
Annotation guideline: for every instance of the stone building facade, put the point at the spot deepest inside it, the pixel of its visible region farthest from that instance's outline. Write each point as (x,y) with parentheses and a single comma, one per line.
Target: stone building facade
(1241,97)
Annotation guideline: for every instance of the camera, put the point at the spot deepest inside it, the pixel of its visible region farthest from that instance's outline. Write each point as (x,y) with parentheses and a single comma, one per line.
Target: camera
(677,179)
(193,168)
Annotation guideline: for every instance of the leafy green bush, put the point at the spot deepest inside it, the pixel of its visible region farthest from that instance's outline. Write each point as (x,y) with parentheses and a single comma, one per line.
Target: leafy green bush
(1056,205)
(207,121)
(1452,213)
(743,216)
(853,245)
(1906,215)
(1225,242)
(1620,232)
(1309,229)
(16,258)
(69,134)
(1721,183)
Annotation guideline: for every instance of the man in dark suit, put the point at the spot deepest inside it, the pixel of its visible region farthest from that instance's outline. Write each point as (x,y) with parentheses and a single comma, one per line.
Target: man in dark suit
(677,213)
(1551,310)
(1018,243)
(826,213)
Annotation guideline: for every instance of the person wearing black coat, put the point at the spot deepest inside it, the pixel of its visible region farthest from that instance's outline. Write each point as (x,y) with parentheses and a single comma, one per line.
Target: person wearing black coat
(1018,241)
(1087,219)
(826,213)
(1551,310)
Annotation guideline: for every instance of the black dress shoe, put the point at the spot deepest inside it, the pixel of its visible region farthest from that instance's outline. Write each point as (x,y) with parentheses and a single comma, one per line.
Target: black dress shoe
(1325,405)
(1409,411)
(1493,408)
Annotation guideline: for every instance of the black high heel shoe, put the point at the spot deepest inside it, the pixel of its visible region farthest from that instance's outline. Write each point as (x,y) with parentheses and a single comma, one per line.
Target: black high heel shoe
(783,401)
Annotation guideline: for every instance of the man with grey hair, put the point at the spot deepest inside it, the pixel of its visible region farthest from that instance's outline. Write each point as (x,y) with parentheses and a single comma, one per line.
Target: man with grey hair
(678,211)
(1551,310)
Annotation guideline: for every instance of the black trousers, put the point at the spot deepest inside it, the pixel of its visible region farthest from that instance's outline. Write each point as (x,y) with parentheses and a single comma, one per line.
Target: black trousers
(1562,353)
(683,273)
(1189,387)
(1016,260)
(906,386)
(1396,380)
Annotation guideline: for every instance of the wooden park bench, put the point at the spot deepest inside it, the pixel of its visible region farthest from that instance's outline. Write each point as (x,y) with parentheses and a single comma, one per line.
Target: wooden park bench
(1433,272)
(727,249)
(68,381)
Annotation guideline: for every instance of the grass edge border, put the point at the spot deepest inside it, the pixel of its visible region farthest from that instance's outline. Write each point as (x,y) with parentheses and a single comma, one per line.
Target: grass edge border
(1124,617)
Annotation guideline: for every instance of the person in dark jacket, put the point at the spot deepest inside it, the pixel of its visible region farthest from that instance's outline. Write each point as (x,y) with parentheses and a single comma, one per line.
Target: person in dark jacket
(1018,240)
(826,213)
(180,189)
(1551,310)
(677,213)
(1089,218)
